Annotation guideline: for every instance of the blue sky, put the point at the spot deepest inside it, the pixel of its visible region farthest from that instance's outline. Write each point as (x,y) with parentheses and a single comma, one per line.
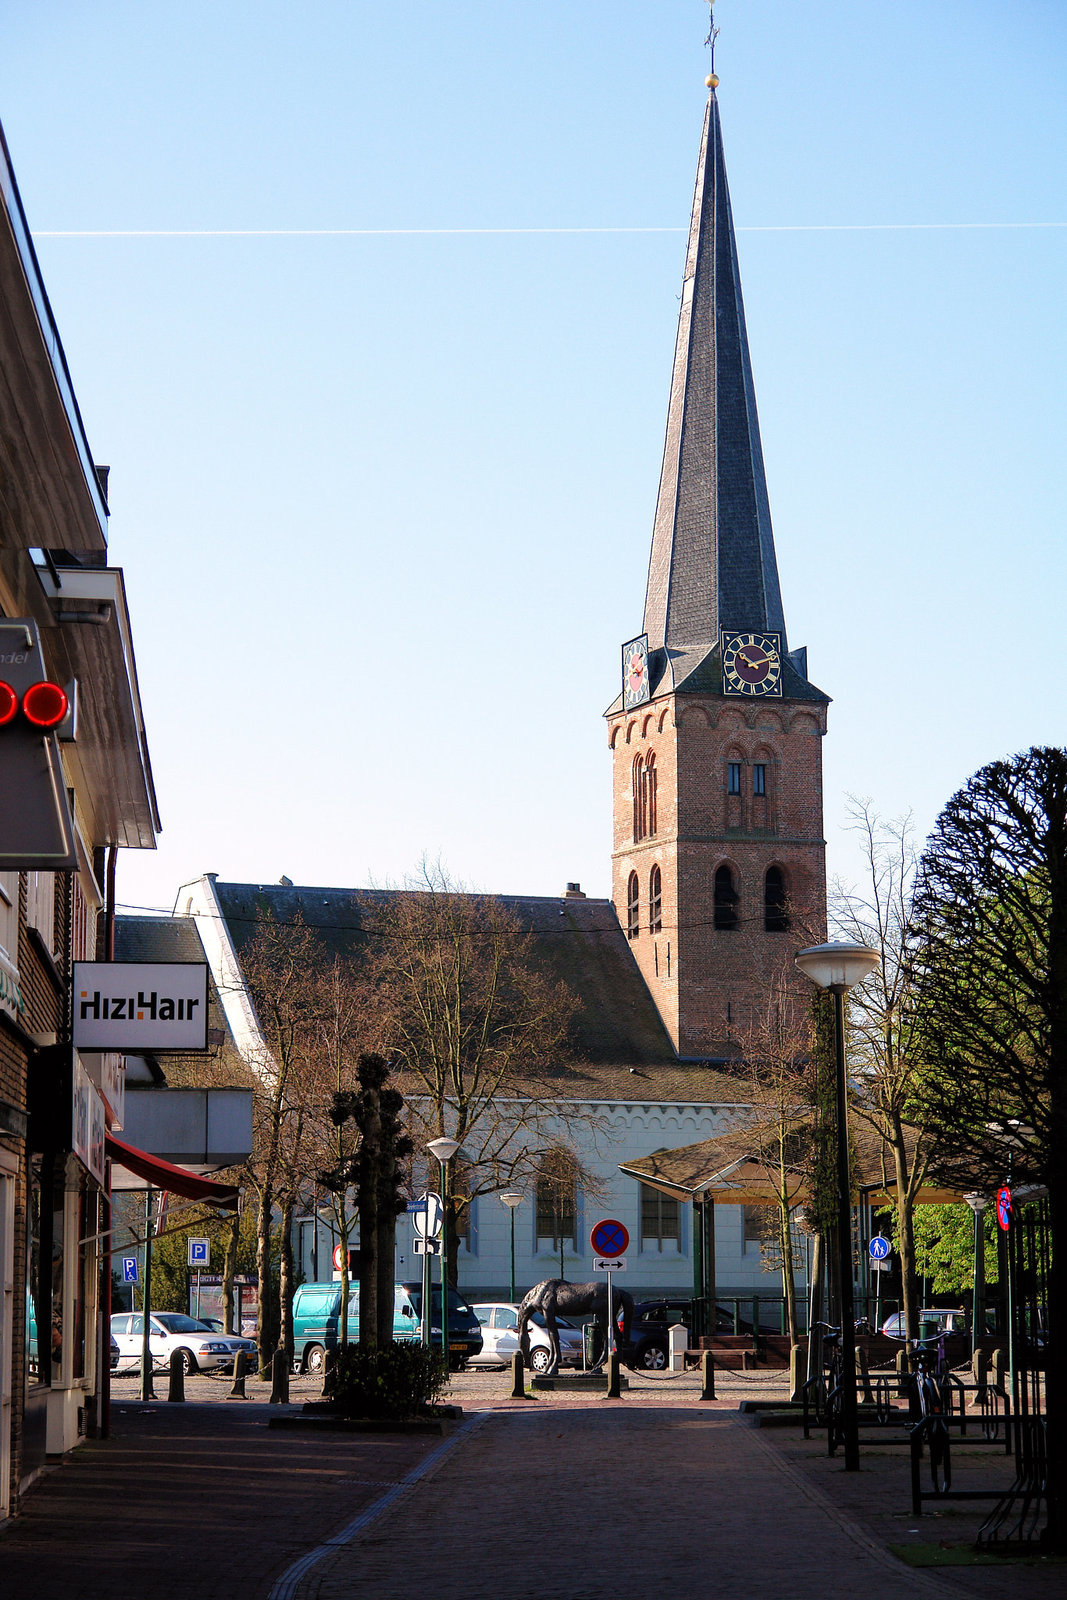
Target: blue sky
(384,501)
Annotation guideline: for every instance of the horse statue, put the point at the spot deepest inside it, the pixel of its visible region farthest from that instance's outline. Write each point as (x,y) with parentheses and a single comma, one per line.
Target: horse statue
(556,1297)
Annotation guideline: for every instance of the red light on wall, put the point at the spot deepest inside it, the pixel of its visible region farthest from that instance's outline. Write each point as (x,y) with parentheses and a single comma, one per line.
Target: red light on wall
(9,703)
(44,704)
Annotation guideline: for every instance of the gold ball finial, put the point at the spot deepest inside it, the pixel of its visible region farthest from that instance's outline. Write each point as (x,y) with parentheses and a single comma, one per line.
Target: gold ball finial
(712,81)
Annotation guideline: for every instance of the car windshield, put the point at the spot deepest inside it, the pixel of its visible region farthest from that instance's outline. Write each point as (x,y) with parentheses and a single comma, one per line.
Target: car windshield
(455,1303)
(174,1322)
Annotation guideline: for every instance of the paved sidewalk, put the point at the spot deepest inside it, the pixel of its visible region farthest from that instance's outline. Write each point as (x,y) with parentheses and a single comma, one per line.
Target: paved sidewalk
(568,1497)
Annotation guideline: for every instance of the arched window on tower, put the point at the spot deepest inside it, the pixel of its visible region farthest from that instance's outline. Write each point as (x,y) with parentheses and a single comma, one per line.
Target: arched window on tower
(633,907)
(775,916)
(644,792)
(650,792)
(726,898)
(655,901)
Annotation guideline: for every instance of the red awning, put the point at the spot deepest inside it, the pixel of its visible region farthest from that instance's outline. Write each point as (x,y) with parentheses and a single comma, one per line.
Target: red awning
(165,1175)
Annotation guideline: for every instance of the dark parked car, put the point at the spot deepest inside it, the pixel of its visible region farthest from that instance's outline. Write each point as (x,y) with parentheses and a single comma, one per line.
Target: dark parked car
(648,1348)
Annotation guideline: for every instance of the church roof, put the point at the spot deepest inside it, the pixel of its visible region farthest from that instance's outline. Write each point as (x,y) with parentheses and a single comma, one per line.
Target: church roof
(713,563)
(621,1050)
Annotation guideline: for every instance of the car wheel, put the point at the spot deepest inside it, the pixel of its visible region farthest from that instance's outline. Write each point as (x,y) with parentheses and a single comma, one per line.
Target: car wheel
(314,1359)
(652,1357)
(189,1362)
(540,1359)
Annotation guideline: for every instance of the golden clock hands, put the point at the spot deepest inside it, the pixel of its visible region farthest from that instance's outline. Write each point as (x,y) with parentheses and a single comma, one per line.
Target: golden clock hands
(749,661)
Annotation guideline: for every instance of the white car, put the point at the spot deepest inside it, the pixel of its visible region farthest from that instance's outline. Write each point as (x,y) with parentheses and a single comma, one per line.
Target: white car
(201,1347)
(500,1340)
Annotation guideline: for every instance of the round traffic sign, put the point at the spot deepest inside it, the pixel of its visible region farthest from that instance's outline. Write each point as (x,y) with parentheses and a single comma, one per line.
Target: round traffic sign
(1004,1209)
(879,1247)
(609,1238)
(427,1222)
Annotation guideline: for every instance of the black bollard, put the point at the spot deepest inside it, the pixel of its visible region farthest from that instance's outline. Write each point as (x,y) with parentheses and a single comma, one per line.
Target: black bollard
(614,1376)
(240,1368)
(177,1376)
(707,1375)
(279,1372)
(518,1377)
(329,1361)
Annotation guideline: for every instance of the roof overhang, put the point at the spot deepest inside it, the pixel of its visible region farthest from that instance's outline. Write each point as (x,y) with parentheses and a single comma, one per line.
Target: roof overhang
(89,638)
(49,489)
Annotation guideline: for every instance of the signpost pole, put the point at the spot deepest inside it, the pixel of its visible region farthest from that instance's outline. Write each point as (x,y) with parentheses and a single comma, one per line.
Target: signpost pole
(147,1392)
(426,1286)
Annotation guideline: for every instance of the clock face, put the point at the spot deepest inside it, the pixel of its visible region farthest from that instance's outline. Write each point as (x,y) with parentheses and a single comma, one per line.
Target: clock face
(751,663)
(635,685)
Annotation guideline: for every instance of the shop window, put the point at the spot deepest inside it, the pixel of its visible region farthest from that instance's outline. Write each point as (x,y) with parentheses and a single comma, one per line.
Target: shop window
(726,899)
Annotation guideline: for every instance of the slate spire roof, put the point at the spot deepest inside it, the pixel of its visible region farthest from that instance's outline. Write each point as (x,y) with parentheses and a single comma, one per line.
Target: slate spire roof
(713,564)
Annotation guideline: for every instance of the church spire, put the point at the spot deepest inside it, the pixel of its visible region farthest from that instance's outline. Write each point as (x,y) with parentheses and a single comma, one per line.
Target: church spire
(713,564)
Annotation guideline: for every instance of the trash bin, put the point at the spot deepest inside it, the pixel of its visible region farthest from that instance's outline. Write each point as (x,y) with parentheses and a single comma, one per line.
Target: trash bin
(677,1345)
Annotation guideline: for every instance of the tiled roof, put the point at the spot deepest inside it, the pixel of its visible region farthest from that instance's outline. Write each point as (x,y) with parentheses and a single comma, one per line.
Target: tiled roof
(621,1050)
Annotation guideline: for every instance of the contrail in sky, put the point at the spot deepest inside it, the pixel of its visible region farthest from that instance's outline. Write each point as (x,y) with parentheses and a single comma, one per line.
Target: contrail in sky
(369,233)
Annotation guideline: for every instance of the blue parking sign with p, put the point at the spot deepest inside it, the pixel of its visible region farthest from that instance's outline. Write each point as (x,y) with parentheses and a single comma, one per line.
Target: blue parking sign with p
(129,1269)
(199,1252)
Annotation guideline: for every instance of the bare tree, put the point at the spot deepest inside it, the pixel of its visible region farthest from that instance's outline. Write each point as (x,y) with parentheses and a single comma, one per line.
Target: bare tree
(886,1056)
(279,962)
(477,1031)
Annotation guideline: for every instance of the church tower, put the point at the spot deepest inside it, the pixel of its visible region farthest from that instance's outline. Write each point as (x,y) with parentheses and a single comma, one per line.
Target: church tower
(718,859)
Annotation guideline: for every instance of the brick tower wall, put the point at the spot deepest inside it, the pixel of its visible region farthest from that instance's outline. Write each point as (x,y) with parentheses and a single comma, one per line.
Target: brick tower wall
(710,983)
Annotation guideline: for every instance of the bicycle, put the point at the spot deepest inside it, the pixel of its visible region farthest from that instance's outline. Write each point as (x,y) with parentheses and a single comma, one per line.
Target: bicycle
(828,1391)
(928,1396)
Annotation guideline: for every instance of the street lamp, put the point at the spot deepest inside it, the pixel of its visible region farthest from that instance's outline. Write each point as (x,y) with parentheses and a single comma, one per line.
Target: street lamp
(512,1199)
(444,1149)
(978,1203)
(839,967)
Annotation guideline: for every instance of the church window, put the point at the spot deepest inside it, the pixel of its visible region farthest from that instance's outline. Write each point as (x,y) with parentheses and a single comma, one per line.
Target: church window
(661,1221)
(759,778)
(633,907)
(775,916)
(644,794)
(733,777)
(726,898)
(557,1201)
(655,901)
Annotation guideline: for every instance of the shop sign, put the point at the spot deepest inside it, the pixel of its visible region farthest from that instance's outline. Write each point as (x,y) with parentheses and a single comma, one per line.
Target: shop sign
(87,1123)
(140,1005)
(107,1069)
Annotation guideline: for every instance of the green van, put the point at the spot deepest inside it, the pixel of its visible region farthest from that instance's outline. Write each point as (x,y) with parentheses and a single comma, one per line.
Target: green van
(317,1321)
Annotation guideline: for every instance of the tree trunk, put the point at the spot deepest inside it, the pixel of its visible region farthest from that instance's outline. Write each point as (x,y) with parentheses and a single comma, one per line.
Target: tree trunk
(905,1232)
(229,1272)
(369,1239)
(789,1285)
(385,1241)
(286,1280)
(264,1319)
(816,1296)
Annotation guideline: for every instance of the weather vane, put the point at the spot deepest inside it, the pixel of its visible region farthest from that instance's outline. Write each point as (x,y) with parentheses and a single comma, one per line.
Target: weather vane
(713,32)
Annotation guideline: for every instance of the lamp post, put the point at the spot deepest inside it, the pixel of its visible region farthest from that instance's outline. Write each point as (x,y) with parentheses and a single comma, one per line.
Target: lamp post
(511,1199)
(978,1204)
(444,1149)
(839,967)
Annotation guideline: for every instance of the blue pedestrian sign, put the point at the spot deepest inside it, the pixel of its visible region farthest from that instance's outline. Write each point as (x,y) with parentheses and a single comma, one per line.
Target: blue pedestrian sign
(879,1247)
(129,1269)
